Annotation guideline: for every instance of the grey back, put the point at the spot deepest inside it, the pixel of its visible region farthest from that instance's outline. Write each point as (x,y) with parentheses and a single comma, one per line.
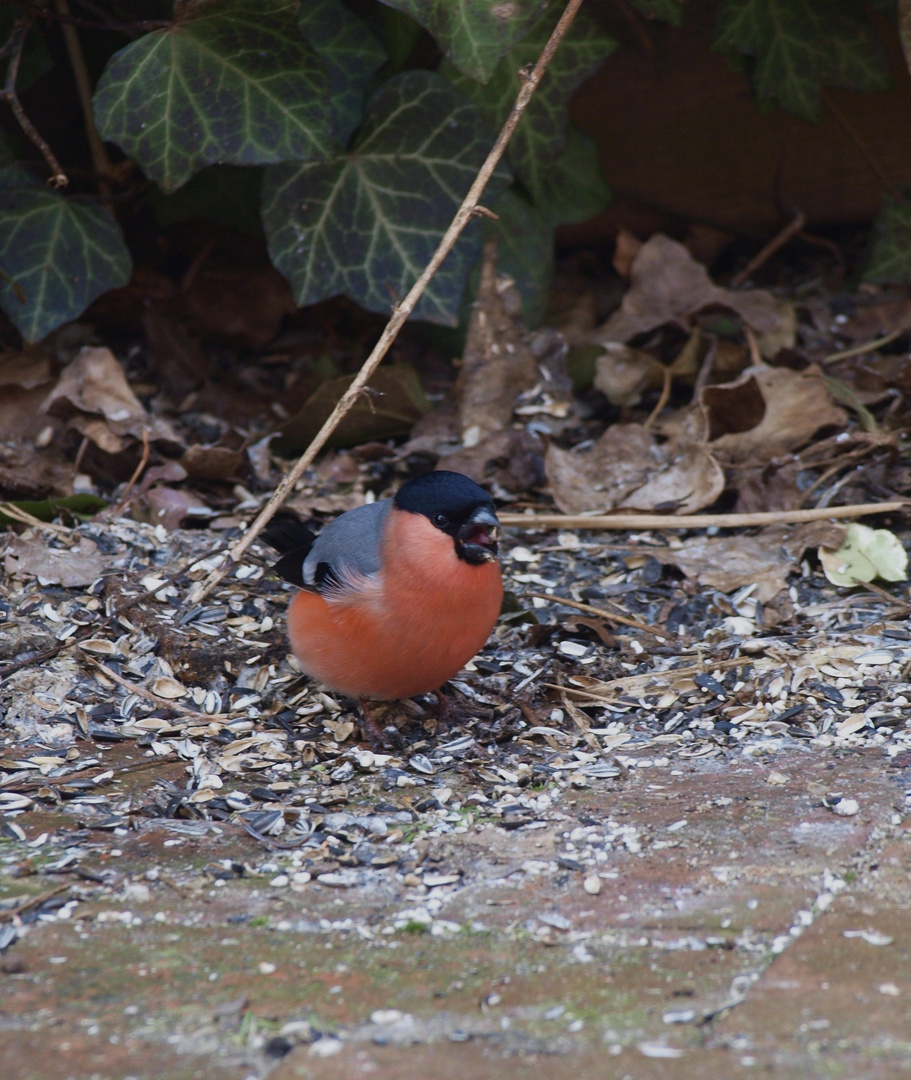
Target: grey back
(348,546)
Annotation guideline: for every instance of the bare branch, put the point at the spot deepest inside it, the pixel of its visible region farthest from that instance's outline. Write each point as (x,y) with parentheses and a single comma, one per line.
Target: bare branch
(401,312)
(13,49)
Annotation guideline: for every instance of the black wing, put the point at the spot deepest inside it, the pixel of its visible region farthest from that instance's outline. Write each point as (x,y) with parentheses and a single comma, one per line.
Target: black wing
(293,541)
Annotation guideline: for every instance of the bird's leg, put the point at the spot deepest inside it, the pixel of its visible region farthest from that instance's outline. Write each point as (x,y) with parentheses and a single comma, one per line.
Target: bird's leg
(448,712)
(384,738)
(370,730)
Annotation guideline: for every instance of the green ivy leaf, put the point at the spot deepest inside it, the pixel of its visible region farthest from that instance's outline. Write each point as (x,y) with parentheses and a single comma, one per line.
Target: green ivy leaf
(401,34)
(56,255)
(227,83)
(365,223)
(228,194)
(351,54)
(574,188)
(670,11)
(474,35)
(797,46)
(889,260)
(541,134)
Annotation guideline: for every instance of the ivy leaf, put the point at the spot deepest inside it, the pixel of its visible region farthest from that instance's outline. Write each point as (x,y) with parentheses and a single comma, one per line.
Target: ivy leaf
(230,83)
(351,54)
(541,134)
(889,260)
(670,11)
(574,188)
(366,222)
(56,255)
(400,33)
(797,46)
(474,35)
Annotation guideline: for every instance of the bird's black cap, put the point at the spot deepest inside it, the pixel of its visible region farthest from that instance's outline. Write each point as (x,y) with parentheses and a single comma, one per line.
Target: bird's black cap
(442,492)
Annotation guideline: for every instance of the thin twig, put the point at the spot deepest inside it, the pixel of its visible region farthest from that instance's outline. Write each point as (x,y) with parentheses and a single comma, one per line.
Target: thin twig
(33,902)
(13,48)
(638,522)
(609,616)
(25,518)
(662,400)
(867,347)
(753,346)
(762,257)
(100,160)
(629,682)
(115,511)
(401,312)
(33,784)
(159,702)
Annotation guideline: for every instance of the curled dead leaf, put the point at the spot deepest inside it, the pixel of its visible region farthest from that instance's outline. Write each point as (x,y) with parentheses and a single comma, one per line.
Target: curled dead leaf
(669,286)
(70,567)
(93,394)
(627,468)
(768,412)
(212,462)
(514,458)
(765,560)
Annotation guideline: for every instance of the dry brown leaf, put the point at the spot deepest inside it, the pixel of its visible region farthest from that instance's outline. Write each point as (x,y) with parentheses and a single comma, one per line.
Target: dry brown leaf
(628,469)
(733,562)
(211,462)
(668,285)
(69,567)
(20,412)
(513,458)
(623,374)
(23,386)
(497,364)
(93,394)
(768,412)
(27,474)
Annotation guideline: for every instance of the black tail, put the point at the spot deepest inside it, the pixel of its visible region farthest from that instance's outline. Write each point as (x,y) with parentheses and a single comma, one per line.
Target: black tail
(293,541)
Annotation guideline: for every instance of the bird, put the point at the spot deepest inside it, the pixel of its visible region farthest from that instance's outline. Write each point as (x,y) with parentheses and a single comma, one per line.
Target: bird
(397,595)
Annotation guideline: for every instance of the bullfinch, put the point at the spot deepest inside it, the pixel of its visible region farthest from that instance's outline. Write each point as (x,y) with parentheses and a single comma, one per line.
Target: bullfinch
(397,595)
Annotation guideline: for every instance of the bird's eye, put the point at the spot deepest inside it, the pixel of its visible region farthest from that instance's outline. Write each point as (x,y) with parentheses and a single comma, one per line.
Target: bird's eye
(440,520)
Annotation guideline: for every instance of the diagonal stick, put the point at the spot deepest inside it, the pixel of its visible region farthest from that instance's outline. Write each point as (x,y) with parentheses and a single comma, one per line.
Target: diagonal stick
(400,313)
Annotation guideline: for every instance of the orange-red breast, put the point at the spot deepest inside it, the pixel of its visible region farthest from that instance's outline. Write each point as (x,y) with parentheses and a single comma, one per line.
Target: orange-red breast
(395,596)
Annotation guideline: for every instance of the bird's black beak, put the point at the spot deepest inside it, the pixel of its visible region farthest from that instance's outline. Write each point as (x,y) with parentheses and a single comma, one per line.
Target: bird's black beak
(478,540)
